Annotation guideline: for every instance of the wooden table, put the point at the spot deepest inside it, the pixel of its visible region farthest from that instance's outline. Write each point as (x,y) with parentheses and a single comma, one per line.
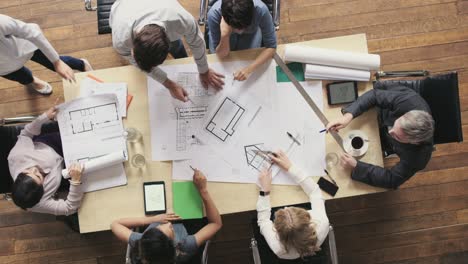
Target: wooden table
(99,209)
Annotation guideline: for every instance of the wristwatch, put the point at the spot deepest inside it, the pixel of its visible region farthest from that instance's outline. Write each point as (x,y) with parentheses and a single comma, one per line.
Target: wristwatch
(262,193)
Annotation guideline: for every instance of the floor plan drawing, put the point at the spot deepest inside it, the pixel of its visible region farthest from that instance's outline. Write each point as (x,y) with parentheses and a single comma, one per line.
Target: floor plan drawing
(255,158)
(188,120)
(223,123)
(87,119)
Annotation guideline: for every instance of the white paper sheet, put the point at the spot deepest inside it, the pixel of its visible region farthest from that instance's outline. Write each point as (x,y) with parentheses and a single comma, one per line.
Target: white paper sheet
(91,127)
(89,87)
(100,163)
(290,113)
(320,72)
(330,57)
(174,123)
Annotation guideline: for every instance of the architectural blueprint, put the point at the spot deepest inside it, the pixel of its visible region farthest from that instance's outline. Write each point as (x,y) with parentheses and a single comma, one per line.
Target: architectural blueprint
(176,121)
(299,120)
(91,127)
(90,86)
(222,124)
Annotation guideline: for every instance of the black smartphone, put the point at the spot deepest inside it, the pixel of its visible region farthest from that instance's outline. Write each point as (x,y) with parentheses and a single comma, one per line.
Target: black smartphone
(327,186)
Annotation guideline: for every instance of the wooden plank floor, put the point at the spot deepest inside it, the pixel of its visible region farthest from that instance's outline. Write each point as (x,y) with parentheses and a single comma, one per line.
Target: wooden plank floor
(425,221)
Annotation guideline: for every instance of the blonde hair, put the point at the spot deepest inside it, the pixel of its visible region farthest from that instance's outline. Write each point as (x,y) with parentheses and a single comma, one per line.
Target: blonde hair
(296,231)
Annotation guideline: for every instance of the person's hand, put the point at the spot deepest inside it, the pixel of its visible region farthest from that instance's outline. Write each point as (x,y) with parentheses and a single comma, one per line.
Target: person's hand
(281,159)
(75,172)
(264,178)
(64,70)
(52,112)
(212,78)
(337,124)
(199,179)
(348,161)
(164,218)
(177,91)
(242,74)
(225,29)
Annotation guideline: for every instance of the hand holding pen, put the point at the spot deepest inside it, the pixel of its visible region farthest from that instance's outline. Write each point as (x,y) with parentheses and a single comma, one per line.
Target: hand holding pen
(281,159)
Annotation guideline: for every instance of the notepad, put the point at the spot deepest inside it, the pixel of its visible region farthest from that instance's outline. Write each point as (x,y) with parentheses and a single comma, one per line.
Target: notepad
(295,67)
(187,200)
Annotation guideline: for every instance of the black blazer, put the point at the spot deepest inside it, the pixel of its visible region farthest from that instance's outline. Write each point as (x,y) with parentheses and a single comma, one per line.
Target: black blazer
(391,105)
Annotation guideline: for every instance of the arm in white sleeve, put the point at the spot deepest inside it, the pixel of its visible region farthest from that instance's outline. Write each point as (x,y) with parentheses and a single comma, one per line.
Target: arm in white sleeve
(34,128)
(266,225)
(62,207)
(312,190)
(28,31)
(196,42)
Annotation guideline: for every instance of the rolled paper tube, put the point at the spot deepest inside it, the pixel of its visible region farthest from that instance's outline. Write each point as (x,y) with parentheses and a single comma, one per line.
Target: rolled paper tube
(335,73)
(330,57)
(100,163)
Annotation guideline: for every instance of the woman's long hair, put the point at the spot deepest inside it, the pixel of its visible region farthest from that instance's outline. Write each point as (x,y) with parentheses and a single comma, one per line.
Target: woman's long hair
(295,231)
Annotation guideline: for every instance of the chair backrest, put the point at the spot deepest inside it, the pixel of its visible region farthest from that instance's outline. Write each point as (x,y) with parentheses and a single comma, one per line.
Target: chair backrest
(9,136)
(441,94)
(266,255)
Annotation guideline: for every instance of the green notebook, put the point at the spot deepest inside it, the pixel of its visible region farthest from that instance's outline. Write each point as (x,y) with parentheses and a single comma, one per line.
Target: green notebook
(187,200)
(295,67)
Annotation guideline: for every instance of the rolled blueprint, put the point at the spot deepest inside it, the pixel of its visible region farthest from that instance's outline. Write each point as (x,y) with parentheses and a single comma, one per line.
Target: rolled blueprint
(100,163)
(330,57)
(335,73)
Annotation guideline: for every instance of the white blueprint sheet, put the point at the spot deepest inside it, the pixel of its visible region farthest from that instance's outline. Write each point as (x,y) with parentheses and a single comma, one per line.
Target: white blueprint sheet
(291,114)
(89,87)
(173,123)
(91,127)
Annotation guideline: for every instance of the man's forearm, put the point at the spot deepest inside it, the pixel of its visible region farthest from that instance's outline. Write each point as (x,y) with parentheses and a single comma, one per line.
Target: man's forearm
(263,57)
(223,47)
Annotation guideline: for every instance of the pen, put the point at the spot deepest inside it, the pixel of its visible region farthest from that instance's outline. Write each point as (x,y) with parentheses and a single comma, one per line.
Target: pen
(188,98)
(266,152)
(192,168)
(293,138)
(330,177)
(323,130)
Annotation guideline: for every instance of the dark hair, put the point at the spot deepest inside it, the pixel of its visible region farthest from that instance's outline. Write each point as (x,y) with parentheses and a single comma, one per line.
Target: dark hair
(26,192)
(237,13)
(155,247)
(150,47)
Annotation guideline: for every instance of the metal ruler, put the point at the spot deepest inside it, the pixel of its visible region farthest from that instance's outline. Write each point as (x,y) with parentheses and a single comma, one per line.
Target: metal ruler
(307,98)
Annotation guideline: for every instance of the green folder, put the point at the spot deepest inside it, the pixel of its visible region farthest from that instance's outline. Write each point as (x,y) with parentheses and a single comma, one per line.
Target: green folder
(187,200)
(295,67)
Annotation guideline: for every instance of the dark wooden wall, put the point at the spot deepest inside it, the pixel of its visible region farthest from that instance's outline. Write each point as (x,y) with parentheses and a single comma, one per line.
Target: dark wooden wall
(425,221)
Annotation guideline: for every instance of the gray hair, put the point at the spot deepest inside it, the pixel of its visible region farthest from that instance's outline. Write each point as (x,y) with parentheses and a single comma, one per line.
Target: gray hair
(418,126)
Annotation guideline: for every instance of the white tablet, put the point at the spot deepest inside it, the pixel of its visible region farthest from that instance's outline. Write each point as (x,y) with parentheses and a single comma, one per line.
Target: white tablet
(155,197)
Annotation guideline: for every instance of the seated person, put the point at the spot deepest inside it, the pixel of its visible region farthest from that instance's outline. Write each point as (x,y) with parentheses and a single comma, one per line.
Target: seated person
(36,164)
(410,133)
(145,31)
(239,25)
(295,232)
(21,42)
(164,242)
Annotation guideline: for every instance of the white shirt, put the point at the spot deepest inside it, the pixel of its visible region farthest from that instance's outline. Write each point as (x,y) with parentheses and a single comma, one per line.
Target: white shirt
(129,16)
(26,153)
(317,213)
(18,41)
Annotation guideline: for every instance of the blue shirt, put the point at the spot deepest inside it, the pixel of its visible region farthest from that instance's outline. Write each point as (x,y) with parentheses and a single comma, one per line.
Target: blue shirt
(262,19)
(185,243)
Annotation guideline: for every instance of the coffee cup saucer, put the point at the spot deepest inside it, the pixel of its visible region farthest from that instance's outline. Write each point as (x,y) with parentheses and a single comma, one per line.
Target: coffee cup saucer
(348,146)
